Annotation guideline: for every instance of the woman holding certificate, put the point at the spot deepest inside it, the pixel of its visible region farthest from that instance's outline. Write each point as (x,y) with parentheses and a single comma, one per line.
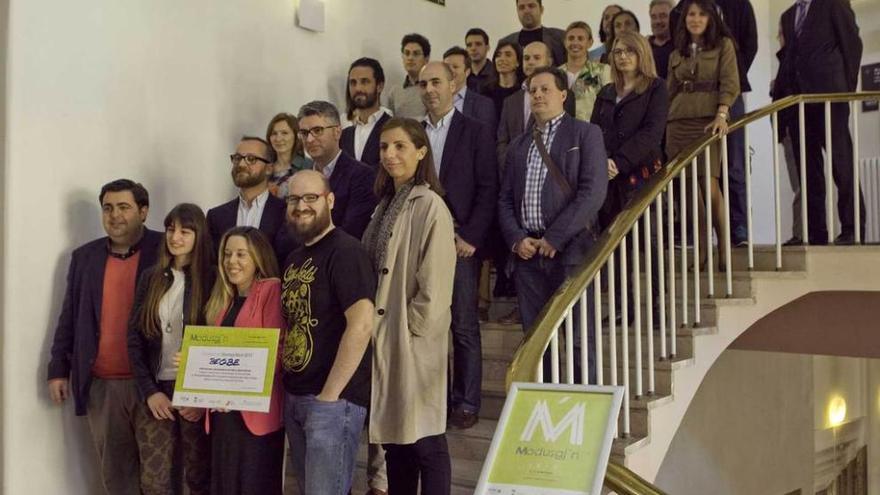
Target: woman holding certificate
(411,241)
(168,297)
(247,448)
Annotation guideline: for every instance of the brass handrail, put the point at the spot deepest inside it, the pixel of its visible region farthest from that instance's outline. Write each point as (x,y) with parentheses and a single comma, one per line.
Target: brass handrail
(531,350)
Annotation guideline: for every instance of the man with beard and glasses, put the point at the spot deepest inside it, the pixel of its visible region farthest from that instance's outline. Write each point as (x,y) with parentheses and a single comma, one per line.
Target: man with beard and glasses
(328,288)
(350,180)
(366,79)
(254,206)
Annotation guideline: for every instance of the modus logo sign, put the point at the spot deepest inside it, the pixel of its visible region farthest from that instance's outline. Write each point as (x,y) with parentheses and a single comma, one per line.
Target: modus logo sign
(551,440)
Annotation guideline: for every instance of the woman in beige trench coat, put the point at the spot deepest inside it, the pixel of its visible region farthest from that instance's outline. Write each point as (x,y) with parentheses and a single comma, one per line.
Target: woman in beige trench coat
(412,243)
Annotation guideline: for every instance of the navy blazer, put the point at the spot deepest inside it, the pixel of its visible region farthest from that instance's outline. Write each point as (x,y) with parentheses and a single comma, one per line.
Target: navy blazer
(570,222)
(511,124)
(224,217)
(370,156)
(480,108)
(469,175)
(825,58)
(352,185)
(76,336)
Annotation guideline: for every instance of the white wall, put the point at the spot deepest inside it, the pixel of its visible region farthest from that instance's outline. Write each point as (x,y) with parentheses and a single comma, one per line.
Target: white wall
(159,91)
(749,429)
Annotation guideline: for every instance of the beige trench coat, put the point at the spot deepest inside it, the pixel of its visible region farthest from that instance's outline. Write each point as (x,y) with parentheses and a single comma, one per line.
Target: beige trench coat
(411,325)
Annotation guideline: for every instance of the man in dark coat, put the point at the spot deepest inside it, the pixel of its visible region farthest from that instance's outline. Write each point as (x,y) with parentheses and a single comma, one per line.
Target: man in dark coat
(89,359)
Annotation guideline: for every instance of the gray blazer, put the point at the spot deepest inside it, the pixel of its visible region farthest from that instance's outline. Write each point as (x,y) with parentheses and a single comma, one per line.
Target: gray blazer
(511,124)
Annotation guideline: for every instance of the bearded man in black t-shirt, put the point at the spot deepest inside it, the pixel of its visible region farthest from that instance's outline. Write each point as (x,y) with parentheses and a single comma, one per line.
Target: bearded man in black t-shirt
(327,298)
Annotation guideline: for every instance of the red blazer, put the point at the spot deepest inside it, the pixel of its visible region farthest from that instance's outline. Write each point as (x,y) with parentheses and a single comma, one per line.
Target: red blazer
(262,309)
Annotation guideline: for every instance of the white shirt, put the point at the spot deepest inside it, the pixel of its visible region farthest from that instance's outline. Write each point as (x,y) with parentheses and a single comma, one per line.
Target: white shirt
(437,136)
(328,169)
(171,321)
(362,132)
(250,216)
(458,100)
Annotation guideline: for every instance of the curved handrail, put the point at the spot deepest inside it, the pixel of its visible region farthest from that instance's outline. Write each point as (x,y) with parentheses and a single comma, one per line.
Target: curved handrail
(530,352)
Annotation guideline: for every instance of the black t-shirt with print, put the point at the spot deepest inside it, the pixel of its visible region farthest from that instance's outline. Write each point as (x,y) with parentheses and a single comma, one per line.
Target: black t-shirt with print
(320,283)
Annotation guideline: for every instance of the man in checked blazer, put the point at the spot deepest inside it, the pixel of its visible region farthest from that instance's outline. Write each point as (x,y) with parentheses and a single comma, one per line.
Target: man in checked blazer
(547,219)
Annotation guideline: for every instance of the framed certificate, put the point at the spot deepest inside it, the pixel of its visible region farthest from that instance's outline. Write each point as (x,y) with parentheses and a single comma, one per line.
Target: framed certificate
(227,367)
(552,440)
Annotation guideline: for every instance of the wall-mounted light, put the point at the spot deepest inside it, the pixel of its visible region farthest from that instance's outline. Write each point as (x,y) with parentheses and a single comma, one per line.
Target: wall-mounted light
(836,411)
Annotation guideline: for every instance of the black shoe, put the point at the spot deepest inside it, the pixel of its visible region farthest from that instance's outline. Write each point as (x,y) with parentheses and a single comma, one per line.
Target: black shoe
(794,241)
(845,240)
(462,420)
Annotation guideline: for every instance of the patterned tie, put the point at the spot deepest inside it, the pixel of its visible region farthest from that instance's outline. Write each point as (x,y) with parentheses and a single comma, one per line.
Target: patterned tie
(800,15)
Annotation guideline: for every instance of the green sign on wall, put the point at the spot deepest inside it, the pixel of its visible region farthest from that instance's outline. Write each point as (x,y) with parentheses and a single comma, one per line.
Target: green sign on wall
(552,440)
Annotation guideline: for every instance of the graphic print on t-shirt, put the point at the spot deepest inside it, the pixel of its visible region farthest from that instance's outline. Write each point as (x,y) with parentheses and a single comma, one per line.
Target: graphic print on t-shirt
(296,300)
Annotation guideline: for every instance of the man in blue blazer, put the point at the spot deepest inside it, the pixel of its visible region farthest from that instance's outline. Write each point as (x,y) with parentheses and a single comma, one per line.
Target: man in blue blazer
(464,157)
(467,101)
(366,79)
(350,180)
(254,206)
(89,357)
(549,220)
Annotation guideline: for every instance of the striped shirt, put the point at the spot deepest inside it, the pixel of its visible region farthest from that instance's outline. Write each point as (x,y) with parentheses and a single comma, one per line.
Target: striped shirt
(536,174)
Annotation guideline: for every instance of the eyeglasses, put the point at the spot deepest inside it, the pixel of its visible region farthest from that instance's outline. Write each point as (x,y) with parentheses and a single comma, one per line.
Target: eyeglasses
(621,52)
(308,199)
(250,159)
(316,131)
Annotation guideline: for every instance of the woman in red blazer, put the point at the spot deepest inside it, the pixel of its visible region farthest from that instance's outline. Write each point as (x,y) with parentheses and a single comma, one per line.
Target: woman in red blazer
(247,448)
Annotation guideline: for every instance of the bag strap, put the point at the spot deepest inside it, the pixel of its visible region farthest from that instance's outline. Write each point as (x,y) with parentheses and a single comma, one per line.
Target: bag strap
(560,179)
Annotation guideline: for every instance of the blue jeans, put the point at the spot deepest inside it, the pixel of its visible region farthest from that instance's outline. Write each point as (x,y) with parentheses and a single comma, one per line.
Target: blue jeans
(323,439)
(736,174)
(537,280)
(467,366)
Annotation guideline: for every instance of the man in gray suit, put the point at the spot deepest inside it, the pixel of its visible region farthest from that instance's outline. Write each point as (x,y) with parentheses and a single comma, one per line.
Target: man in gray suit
(530,13)
(553,187)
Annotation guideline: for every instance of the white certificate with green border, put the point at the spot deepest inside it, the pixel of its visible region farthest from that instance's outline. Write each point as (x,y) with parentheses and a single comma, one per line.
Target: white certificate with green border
(552,440)
(227,368)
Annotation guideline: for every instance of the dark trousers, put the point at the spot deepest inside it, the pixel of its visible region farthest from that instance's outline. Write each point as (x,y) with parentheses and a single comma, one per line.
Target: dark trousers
(467,366)
(841,167)
(736,174)
(537,280)
(243,463)
(426,460)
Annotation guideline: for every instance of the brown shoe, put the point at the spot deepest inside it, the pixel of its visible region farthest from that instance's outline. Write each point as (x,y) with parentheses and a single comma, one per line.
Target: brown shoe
(462,420)
(512,318)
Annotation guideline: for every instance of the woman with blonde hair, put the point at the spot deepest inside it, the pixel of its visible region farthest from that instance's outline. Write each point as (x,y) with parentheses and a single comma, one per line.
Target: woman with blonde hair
(585,77)
(411,241)
(247,448)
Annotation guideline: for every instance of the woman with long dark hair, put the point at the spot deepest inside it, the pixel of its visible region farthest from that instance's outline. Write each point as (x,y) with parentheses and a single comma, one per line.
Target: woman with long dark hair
(703,83)
(508,63)
(411,241)
(247,448)
(170,296)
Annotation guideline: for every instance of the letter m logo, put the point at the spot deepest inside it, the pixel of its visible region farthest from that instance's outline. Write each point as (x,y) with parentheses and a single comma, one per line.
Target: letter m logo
(572,421)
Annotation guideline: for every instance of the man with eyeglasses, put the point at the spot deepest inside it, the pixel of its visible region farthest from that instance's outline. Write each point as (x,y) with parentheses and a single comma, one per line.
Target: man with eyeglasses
(350,180)
(254,206)
(327,299)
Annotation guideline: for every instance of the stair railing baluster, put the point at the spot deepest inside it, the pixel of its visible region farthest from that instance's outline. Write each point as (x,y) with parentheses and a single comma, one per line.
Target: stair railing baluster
(725,168)
(695,225)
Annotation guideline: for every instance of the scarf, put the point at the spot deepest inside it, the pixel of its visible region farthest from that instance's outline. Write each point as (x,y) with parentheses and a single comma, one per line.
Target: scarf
(378,232)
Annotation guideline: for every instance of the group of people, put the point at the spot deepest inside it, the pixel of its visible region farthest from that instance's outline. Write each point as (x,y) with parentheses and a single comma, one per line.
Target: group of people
(365,236)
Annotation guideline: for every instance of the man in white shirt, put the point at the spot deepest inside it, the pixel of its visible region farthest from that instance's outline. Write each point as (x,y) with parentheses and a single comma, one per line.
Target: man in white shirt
(254,206)
(366,80)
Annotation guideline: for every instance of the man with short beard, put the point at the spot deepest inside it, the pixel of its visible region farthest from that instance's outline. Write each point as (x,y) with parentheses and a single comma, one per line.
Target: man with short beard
(530,13)
(366,79)
(254,206)
(351,180)
(328,288)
